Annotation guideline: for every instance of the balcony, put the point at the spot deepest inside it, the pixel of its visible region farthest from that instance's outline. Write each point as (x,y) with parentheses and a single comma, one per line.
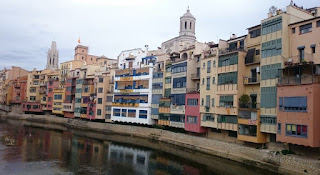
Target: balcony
(229,50)
(251,80)
(301,80)
(193,90)
(298,60)
(177,109)
(68,107)
(195,76)
(249,106)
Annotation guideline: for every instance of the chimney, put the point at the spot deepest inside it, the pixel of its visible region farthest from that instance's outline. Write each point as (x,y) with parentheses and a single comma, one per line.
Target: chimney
(270,15)
(146,47)
(233,36)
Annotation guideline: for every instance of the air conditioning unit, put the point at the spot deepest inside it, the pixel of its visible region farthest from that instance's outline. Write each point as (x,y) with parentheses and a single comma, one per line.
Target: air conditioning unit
(258,69)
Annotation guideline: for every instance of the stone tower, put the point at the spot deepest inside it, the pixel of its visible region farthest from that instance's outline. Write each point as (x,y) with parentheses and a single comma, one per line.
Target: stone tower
(187,26)
(53,57)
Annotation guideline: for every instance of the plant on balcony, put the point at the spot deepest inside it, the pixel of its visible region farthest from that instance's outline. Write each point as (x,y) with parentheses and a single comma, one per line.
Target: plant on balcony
(244,101)
(304,61)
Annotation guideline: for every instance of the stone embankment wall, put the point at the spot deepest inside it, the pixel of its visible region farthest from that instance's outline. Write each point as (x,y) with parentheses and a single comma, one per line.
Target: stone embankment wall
(271,160)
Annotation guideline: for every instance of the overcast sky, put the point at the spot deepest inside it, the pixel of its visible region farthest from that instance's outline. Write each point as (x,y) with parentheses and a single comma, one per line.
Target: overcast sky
(110,26)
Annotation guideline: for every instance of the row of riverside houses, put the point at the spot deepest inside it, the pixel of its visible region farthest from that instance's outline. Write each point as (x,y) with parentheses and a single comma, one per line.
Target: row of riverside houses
(258,88)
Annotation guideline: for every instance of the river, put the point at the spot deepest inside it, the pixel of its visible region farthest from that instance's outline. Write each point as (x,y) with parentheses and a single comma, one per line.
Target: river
(26,150)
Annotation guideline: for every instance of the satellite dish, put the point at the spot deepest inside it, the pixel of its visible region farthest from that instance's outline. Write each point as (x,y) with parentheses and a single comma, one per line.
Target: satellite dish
(273,10)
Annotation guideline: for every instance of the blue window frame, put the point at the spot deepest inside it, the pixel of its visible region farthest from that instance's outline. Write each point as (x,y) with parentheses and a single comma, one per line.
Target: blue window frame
(297,130)
(293,104)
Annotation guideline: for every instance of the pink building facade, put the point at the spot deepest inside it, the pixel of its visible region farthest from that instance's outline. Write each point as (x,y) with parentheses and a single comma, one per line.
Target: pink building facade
(192,113)
(298,114)
(52,84)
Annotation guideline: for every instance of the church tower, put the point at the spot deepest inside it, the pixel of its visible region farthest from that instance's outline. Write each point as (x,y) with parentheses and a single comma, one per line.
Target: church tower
(187,26)
(53,57)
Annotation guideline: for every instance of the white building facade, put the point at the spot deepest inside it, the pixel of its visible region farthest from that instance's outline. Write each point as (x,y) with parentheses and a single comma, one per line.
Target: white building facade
(133,88)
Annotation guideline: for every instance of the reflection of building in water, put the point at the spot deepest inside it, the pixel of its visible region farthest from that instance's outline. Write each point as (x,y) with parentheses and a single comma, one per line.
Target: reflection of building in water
(137,158)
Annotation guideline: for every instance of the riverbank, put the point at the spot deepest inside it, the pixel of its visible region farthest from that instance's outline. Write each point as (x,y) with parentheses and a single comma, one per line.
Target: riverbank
(266,159)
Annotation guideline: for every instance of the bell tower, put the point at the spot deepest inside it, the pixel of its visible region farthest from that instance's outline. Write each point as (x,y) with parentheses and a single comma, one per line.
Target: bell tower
(53,57)
(187,25)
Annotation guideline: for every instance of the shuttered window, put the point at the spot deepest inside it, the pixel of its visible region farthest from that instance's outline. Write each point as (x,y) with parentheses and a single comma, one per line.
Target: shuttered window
(226,101)
(228,78)
(268,97)
(271,71)
(227,60)
(293,104)
(271,48)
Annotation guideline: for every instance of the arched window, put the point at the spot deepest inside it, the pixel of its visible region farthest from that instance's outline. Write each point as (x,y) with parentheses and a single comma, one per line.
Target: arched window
(185,25)
(185,56)
(190,25)
(82,57)
(214,63)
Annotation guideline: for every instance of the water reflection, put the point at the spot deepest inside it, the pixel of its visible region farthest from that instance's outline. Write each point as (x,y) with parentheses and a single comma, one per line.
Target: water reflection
(39,151)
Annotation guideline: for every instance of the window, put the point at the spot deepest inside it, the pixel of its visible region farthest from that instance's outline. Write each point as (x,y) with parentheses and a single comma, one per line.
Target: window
(208,117)
(297,130)
(202,102)
(100,80)
(167,93)
(124,113)
(313,48)
(50,89)
(301,53)
(168,80)
(143,114)
(49,99)
(279,128)
(109,98)
(179,99)
(306,28)
(69,89)
(179,82)
(227,60)
(192,102)
(191,119)
(209,67)
(35,106)
(204,65)
(226,101)
(257,52)
(212,102)
(99,100)
(202,81)
(182,67)
(208,83)
(44,98)
(293,104)
(108,108)
(255,33)
(213,80)
(271,26)
(214,63)
(168,68)
(98,111)
(116,112)
(293,30)
(228,78)
(227,119)
(271,48)
(100,90)
(271,71)
(107,116)
(268,97)
(318,23)
(248,130)
(57,97)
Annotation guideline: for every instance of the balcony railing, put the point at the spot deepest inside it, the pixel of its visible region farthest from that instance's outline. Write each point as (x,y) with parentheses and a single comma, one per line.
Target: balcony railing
(252,106)
(228,50)
(193,90)
(304,79)
(251,80)
(299,60)
(195,76)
